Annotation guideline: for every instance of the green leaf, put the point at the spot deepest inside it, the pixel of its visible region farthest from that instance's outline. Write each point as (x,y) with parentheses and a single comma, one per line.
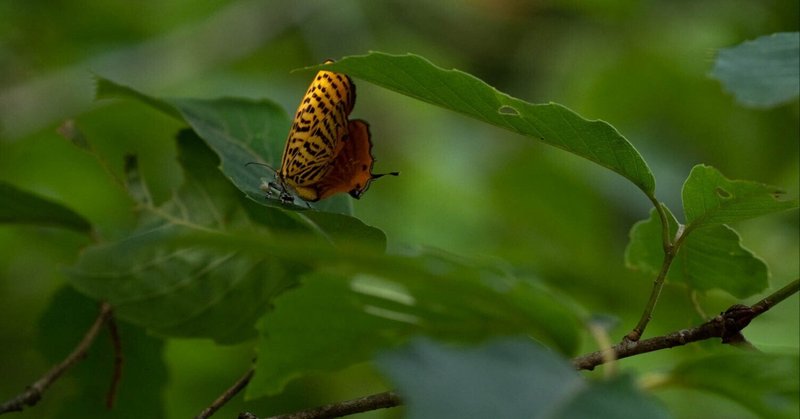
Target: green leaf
(159,279)
(21,207)
(645,250)
(762,72)
(708,258)
(320,327)
(551,123)
(364,302)
(240,131)
(765,384)
(715,258)
(506,379)
(709,198)
(140,393)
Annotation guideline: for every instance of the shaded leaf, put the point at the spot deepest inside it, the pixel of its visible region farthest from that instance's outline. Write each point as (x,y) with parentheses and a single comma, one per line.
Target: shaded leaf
(159,279)
(709,198)
(763,72)
(506,379)
(318,328)
(765,384)
(21,207)
(461,92)
(240,131)
(381,300)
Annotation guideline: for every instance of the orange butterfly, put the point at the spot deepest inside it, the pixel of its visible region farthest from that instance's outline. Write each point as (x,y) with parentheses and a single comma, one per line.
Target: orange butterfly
(326,153)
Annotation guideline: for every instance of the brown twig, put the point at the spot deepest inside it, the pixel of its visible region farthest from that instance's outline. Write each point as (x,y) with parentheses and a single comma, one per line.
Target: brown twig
(227,395)
(339,409)
(116,343)
(34,392)
(728,326)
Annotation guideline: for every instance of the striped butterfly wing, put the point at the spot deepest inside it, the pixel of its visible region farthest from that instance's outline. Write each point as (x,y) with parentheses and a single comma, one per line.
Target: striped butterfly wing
(351,171)
(318,129)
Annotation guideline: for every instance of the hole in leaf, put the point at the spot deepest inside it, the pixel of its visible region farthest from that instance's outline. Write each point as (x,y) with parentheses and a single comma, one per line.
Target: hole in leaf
(722,193)
(508,110)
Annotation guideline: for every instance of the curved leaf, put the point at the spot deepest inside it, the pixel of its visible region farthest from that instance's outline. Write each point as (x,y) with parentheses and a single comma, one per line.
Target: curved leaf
(461,92)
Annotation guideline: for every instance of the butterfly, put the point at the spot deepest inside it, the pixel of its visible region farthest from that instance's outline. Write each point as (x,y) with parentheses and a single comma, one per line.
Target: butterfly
(326,153)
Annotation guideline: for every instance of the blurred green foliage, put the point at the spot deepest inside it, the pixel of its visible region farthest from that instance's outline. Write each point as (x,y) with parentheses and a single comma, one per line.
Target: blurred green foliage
(466,187)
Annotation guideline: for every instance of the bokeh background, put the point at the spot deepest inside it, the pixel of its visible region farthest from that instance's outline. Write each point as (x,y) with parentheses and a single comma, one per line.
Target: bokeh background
(465,187)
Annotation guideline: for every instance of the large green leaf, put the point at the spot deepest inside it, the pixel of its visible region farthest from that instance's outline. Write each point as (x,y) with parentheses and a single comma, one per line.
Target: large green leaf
(317,328)
(506,379)
(763,72)
(711,199)
(708,258)
(140,392)
(21,207)
(551,123)
(240,131)
(765,384)
(347,312)
(171,285)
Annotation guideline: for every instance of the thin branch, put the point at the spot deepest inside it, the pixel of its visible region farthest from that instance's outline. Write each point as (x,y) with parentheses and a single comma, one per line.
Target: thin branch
(776,297)
(670,251)
(658,285)
(727,326)
(348,407)
(666,240)
(116,343)
(35,391)
(227,395)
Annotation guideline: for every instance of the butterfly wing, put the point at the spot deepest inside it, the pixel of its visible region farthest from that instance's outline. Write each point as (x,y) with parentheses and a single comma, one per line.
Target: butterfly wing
(317,130)
(351,171)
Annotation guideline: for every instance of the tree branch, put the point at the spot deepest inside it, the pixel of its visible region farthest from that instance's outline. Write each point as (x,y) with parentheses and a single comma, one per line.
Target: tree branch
(339,409)
(227,395)
(727,326)
(35,391)
(116,343)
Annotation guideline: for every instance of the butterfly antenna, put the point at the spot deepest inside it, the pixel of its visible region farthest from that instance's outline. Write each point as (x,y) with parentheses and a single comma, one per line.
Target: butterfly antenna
(378,175)
(261,164)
